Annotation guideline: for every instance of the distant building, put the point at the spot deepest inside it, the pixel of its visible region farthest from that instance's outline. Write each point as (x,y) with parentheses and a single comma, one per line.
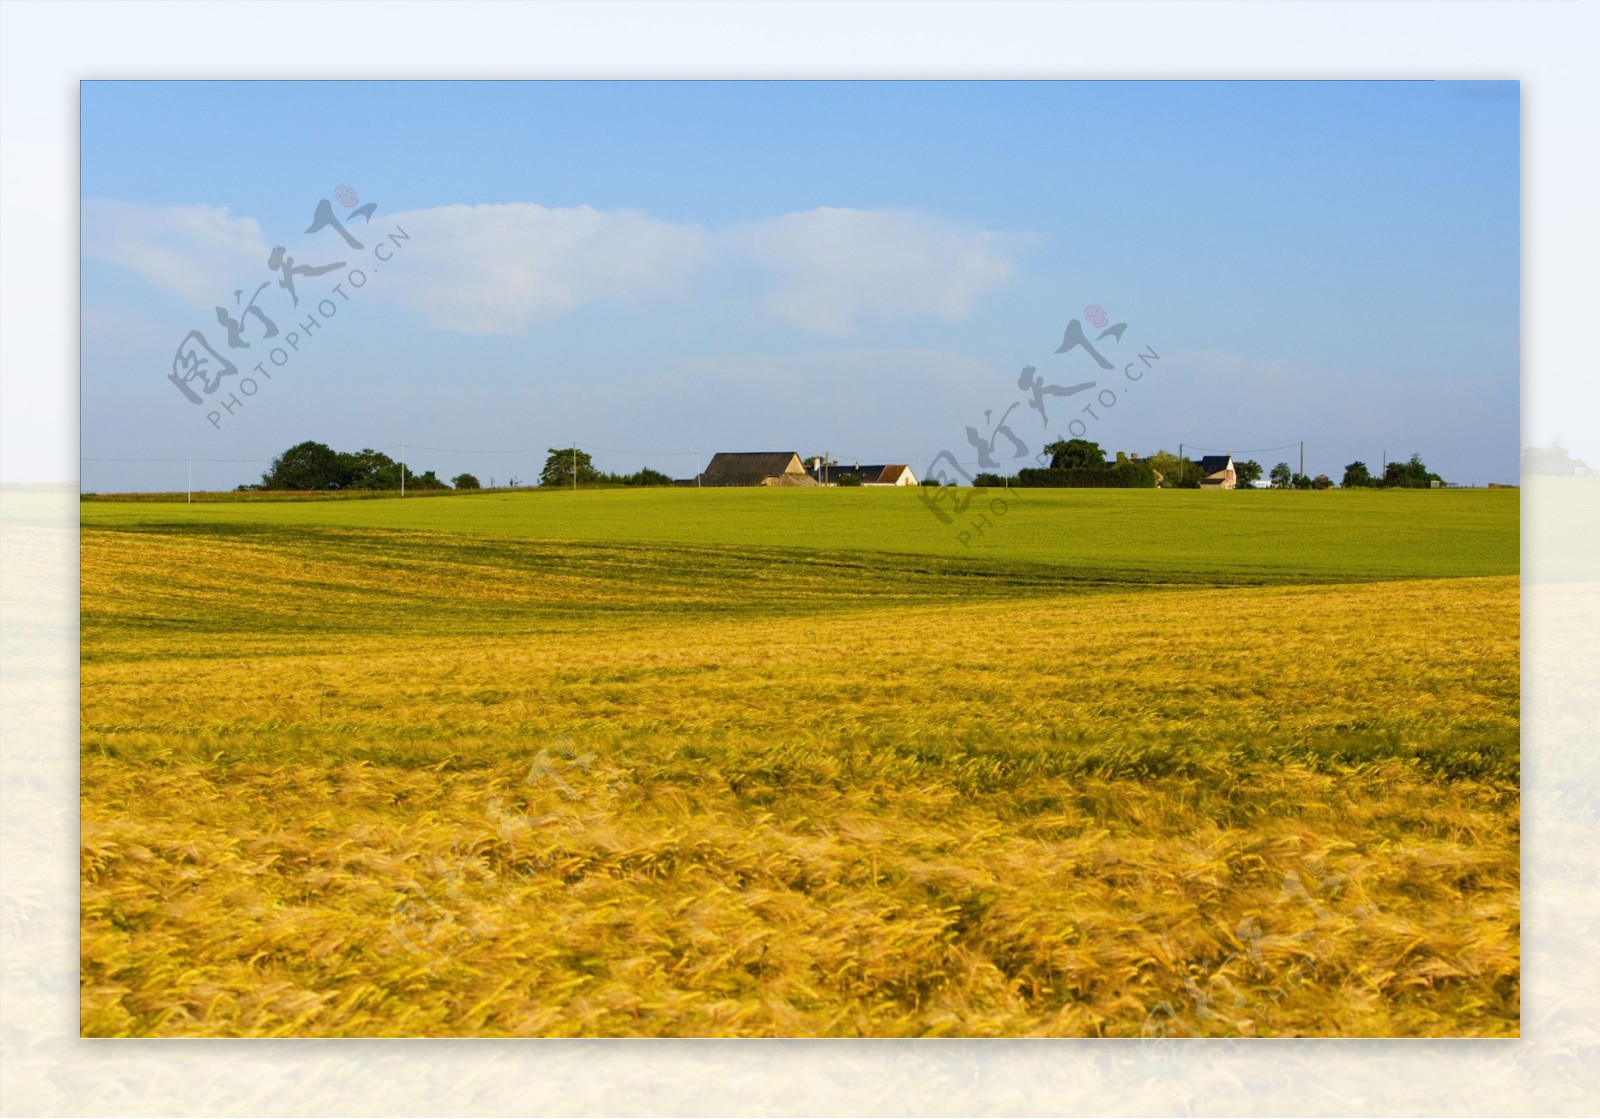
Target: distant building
(892,474)
(754,468)
(1217,473)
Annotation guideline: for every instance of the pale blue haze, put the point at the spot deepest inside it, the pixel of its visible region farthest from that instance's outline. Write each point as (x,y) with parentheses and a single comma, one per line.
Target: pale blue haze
(1333,262)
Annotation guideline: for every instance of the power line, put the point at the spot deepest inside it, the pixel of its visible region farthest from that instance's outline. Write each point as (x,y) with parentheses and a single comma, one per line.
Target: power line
(525,450)
(406,448)
(620,451)
(174,460)
(466,450)
(1255,451)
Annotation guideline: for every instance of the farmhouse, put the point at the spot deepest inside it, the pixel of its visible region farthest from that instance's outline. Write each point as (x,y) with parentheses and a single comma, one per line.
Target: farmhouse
(755,468)
(892,474)
(1217,473)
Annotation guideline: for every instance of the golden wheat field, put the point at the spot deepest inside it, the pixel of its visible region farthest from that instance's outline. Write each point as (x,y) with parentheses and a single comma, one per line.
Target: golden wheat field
(343,781)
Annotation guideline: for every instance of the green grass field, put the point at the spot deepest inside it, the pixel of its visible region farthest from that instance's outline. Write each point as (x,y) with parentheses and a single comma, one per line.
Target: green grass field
(1139,534)
(802,762)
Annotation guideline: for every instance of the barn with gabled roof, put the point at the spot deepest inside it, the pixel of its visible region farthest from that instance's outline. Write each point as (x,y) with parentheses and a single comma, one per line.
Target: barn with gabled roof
(755,468)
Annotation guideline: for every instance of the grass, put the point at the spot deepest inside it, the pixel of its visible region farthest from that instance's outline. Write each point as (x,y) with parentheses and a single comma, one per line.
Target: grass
(431,775)
(1266,535)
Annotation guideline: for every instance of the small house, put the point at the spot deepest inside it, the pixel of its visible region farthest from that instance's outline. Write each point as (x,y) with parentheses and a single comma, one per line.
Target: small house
(1217,473)
(872,474)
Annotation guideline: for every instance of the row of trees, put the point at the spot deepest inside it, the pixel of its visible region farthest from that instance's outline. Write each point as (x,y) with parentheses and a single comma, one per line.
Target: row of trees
(1282,478)
(1073,462)
(1412,474)
(317,466)
(1082,462)
(570,466)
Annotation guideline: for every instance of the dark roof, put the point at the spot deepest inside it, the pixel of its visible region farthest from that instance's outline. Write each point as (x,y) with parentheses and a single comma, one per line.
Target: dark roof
(1215,464)
(867,472)
(763,464)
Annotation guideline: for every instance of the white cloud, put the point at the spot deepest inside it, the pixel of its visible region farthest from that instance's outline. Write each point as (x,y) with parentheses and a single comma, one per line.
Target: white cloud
(494,269)
(497,269)
(831,267)
(199,253)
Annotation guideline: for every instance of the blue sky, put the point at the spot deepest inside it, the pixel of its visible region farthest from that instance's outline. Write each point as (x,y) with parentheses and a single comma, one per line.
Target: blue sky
(657,270)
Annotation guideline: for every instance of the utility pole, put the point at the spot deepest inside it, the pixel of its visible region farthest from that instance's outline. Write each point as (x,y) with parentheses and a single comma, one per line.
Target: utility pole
(697,468)
(1302,458)
(574,468)
(402,470)
(191,481)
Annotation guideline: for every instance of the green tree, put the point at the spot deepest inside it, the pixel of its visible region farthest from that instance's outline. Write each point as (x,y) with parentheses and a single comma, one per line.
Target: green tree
(1356,475)
(1282,477)
(1412,474)
(1247,472)
(307,466)
(371,470)
(1134,475)
(427,480)
(1073,454)
(847,479)
(563,463)
(1301,482)
(647,477)
(1176,474)
(466,482)
(1322,482)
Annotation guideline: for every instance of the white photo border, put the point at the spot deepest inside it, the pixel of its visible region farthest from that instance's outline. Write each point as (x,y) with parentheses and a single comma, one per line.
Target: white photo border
(45,1069)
